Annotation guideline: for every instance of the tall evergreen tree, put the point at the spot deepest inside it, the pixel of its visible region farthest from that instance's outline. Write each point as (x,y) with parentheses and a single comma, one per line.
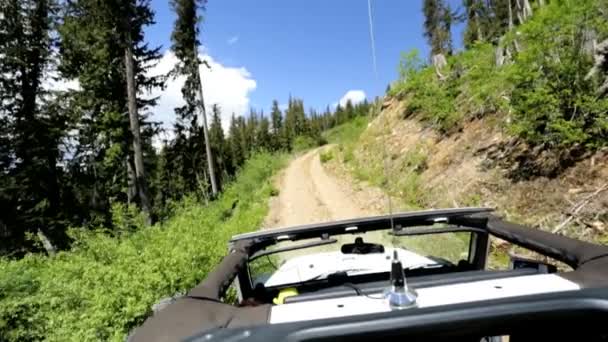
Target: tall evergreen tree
(138,156)
(94,44)
(437,26)
(185,46)
(276,117)
(218,146)
(31,123)
(476,13)
(264,136)
(235,132)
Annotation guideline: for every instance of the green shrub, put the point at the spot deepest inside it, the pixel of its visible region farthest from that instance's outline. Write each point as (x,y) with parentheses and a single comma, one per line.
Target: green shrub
(428,97)
(274,191)
(126,218)
(483,87)
(554,103)
(105,286)
(347,132)
(306,142)
(326,156)
(544,87)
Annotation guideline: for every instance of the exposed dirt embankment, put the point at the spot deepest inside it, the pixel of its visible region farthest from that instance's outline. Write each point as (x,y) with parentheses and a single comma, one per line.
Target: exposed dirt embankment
(479,166)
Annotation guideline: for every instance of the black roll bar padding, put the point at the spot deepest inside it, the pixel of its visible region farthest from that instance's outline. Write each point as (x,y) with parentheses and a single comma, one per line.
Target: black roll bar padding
(217,282)
(570,251)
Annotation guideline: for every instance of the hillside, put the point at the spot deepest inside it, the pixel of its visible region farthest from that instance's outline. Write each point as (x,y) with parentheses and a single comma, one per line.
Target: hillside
(98,223)
(525,134)
(476,166)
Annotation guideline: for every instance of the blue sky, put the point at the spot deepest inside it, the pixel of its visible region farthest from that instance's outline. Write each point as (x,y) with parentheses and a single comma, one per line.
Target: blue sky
(316,50)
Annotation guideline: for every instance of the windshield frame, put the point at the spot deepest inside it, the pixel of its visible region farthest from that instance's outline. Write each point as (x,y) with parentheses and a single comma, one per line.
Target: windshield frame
(264,270)
(410,223)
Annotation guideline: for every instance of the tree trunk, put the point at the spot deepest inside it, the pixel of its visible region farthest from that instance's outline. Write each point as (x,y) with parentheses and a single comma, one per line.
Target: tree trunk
(131,181)
(46,243)
(510,15)
(205,129)
(138,157)
(527,9)
(511,25)
(520,12)
(479,33)
(500,56)
(600,67)
(439,62)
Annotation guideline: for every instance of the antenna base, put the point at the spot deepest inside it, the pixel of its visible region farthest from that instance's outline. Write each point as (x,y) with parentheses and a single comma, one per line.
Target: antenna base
(401,298)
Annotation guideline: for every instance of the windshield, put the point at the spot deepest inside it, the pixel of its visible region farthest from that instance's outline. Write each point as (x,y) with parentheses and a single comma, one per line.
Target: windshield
(364,253)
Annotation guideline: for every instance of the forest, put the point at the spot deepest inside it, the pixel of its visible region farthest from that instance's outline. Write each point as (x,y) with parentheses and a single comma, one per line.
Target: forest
(76,158)
(541,64)
(101,216)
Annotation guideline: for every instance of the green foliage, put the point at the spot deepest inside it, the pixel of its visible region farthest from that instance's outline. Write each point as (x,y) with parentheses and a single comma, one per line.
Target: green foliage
(33,122)
(408,186)
(126,218)
(348,132)
(553,102)
(437,26)
(105,286)
(482,87)
(544,87)
(274,191)
(304,142)
(431,98)
(324,157)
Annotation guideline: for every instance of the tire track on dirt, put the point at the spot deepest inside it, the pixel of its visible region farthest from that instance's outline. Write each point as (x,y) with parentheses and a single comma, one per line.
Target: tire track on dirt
(308,194)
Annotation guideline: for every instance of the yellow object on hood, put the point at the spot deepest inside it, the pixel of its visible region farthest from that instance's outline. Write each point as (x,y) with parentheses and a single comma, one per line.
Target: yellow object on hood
(288,292)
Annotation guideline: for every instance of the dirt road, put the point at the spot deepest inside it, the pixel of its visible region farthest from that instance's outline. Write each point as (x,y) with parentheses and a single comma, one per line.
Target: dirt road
(309,194)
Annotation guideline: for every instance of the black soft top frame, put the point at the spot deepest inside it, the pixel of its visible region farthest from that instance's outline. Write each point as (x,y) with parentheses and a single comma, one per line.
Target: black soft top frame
(202,310)
(366,224)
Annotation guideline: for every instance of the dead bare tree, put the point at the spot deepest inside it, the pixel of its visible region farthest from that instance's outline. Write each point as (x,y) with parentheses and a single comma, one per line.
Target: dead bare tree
(138,157)
(439,62)
(46,243)
(600,67)
(203,113)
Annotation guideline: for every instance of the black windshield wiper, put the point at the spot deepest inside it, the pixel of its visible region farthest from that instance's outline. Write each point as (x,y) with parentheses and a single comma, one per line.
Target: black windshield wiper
(338,274)
(424,266)
(293,248)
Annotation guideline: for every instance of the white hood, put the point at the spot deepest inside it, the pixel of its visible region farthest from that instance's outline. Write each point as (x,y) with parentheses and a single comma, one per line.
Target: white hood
(307,267)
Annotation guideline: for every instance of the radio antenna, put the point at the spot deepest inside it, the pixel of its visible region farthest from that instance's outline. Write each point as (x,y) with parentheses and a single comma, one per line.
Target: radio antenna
(385,127)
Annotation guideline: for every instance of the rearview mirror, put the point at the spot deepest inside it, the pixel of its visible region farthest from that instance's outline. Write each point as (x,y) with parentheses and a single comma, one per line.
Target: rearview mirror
(360,247)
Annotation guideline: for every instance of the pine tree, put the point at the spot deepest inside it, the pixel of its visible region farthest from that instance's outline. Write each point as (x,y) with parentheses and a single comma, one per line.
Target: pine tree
(32,125)
(437,26)
(218,146)
(93,50)
(237,153)
(340,116)
(349,110)
(476,13)
(138,156)
(185,46)
(277,126)
(264,136)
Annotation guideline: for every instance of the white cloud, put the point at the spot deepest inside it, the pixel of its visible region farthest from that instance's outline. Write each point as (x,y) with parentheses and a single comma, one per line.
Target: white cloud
(229,87)
(53,82)
(233,40)
(355,96)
